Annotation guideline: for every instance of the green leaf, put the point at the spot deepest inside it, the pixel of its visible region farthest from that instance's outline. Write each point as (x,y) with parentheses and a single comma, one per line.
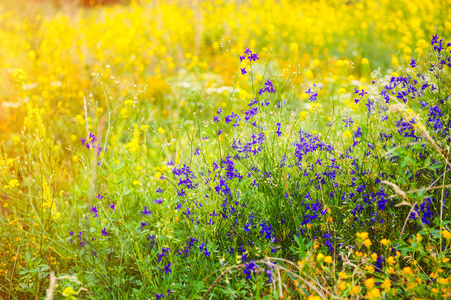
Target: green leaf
(44,267)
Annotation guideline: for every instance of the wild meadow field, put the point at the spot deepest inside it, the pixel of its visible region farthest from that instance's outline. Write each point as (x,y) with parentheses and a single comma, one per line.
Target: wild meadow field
(225,149)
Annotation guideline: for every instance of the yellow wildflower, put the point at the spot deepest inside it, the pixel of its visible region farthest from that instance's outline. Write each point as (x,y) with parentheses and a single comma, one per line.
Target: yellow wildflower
(407,270)
(355,290)
(343,275)
(19,76)
(446,234)
(386,284)
(367,242)
(374,294)
(134,144)
(308,74)
(362,235)
(328,259)
(369,283)
(68,291)
(385,242)
(13,183)
(391,260)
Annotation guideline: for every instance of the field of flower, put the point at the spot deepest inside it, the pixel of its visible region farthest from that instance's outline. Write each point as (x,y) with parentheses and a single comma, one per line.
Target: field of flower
(189,149)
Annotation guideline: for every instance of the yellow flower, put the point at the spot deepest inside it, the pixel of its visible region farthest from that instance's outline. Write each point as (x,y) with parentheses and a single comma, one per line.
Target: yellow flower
(419,237)
(347,134)
(134,144)
(407,270)
(386,284)
(343,275)
(374,256)
(145,128)
(391,260)
(341,91)
(68,291)
(16,139)
(370,269)
(136,182)
(446,234)
(160,130)
(385,242)
(13,183)
(355,290)
(303,114)
(314,298)
(374,294)
(442,281)
(433,275)
(308,74)
(342,286)
(367,242)
(445,260)
(328,259)
(391,270)
(19,76)
(75,158)
(319,257)
(369,283)
(362,235)
(365,61)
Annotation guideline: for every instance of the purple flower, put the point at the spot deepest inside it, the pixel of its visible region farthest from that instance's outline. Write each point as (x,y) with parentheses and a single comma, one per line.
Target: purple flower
(159,296)
(113,206)
(279,133)
(250,267)
(269,87)
(158,201)
(164,251)
(104,233)
(94,211)
(167,268)
(243,71)
(269,273)
(99,196)
(253,57)
(144,224)
(145,211)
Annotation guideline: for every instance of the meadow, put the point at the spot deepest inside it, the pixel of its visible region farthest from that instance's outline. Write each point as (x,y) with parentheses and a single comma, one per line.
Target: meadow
(225,149)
